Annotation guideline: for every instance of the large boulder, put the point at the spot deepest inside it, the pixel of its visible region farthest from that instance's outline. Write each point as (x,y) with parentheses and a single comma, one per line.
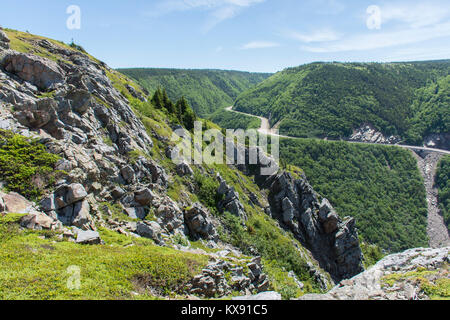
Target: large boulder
(41,72)
(38,221)
(81,100)
(75,193)
(37,115)
(15,203)
(144,196)
(199,224)
(150,230)
(88,237)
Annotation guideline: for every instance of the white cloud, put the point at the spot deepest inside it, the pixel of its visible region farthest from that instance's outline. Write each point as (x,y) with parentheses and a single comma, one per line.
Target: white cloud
(416,15)
(260,45)
(380,40)
(218,10)
(323,35)
(415,54)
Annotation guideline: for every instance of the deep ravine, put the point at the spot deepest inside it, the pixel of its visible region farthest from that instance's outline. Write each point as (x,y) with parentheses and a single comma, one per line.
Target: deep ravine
(437,230)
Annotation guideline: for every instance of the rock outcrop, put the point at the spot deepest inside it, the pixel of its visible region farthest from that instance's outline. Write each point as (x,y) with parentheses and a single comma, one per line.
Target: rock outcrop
(368,134)
(213,281)
(396,277)
(438,141)
(230,200)
(333,241)
(4,40)
(43,73)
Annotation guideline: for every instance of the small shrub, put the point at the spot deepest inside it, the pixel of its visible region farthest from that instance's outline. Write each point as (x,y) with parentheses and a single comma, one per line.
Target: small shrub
(25,165)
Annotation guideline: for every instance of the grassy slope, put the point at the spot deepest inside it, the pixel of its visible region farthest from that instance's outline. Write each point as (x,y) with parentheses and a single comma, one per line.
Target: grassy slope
(35,268)
(206,90)
(332,99)
(378,185)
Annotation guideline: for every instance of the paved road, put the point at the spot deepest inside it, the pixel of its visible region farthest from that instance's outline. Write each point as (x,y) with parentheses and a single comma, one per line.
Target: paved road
(266,129)
(436,229)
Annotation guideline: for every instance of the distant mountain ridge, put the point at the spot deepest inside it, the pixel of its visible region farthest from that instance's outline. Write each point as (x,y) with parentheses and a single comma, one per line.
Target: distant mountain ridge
(206,90)
(332,100)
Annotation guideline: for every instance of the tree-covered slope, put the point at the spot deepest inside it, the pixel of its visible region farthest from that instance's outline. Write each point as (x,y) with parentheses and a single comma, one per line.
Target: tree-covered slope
(443,183)
(333,99)
(205,90)
(378,185)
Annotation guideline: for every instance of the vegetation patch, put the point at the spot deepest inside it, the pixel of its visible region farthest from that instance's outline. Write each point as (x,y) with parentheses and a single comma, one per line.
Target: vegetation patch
(25,166)
(333,99)
(36,268)
(380,186)
(443,183)
(205,90)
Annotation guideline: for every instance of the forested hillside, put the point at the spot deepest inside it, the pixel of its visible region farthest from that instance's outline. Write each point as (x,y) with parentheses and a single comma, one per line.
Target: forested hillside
(206,90)
(378,185)
(333,99)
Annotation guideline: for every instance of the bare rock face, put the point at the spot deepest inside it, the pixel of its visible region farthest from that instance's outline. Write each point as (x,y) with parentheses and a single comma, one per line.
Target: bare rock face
(438,141)
(4,40)
(43,73)
(405,268)
(230,201)
(333,241)
(367,133)
(199,224)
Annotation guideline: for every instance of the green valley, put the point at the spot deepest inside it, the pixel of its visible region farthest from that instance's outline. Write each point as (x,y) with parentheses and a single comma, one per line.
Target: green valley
(206,90)
(333,99)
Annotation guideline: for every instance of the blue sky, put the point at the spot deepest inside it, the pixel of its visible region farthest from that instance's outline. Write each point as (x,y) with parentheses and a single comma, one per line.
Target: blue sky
(249,35)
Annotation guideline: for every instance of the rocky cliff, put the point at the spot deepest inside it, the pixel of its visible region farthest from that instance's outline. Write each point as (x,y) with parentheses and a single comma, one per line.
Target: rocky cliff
(116,175)
(416,274)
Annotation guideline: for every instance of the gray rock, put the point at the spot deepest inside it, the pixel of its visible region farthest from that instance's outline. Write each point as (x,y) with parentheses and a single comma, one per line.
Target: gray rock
(88,237)
(81,100)
(15,203)
(183,169)
(144,197)
(37,221)
(128,174)
(81,215)
(151,230)
(263,296)
(136,213)
(4,40)
(199,224)
(117,193)
(369,284)
(41,72)
(75,193)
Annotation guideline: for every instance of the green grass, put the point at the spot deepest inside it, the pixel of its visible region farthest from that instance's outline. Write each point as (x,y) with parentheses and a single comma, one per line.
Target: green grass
(438,289)
(33,268)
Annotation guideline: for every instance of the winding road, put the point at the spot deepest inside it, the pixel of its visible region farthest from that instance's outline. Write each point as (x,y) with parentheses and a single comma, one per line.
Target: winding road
(437,230)
(266,129)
